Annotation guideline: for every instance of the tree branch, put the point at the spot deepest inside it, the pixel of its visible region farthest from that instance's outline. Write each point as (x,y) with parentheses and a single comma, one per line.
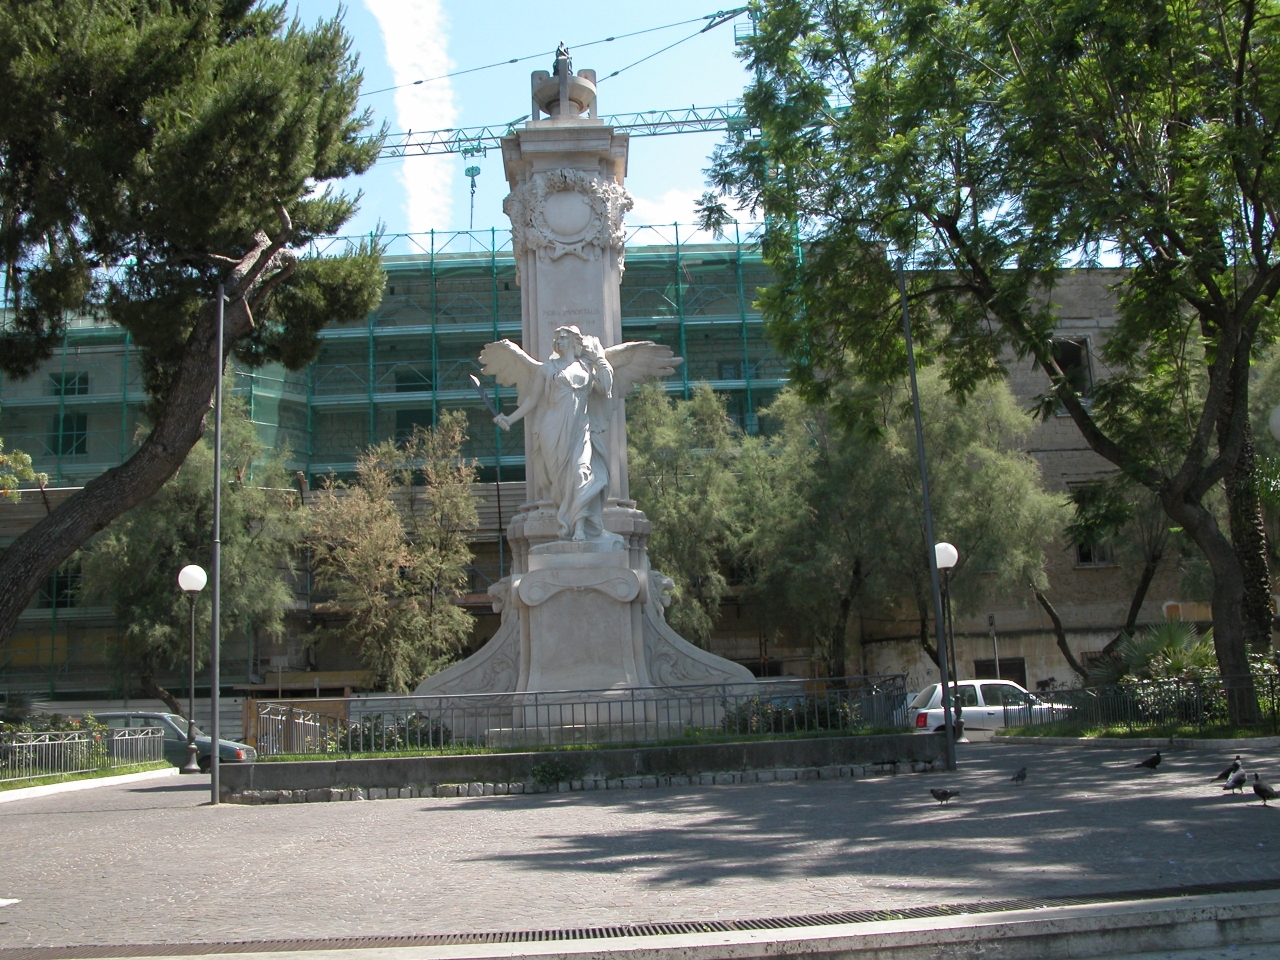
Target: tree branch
(1060,634)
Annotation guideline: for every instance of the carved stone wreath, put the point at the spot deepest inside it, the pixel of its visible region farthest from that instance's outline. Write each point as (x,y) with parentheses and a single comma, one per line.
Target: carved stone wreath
(555,228)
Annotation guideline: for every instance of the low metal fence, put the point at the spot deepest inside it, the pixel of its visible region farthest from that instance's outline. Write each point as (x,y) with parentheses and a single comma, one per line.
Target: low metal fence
(626,716)
(1192,703)
(28,756)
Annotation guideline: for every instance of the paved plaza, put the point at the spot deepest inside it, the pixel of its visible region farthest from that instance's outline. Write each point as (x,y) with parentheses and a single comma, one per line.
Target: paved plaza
(152,862)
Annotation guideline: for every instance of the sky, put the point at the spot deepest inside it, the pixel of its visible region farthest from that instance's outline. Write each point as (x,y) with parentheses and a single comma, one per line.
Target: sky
(400,41)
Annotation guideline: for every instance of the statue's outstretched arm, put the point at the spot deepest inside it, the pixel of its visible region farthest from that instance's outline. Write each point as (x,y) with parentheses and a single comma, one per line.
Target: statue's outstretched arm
(537,386)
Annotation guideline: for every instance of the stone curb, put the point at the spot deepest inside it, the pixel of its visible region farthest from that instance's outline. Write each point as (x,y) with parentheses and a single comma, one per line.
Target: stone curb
(88,783)
(1233,921)
(1176,743)
(477,789)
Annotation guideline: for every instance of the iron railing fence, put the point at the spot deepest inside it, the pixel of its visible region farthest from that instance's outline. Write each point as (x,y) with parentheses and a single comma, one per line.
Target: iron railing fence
(627,716)
(28,756)
(1134,705)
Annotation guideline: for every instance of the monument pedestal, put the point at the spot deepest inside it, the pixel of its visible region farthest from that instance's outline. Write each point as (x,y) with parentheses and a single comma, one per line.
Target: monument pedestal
(582,616)
(583,627)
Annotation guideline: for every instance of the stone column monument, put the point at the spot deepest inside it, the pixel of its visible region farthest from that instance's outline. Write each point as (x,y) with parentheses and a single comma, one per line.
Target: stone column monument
(582,609)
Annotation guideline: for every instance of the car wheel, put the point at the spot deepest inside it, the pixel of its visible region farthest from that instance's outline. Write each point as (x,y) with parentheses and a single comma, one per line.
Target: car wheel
(204,763)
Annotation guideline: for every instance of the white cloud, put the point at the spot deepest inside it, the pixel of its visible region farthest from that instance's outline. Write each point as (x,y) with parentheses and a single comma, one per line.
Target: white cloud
(415,36)
(677,206)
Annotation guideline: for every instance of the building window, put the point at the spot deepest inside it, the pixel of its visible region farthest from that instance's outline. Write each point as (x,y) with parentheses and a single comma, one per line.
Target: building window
(1011,668)
(1093,555)
(406,420)
(70,435)
(730,370)
(69,384)
(1072,357)
(412,380)
(59,591)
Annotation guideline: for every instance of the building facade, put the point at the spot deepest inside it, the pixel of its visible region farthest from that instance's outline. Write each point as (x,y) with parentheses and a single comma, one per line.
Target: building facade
(80,413)
(446,296)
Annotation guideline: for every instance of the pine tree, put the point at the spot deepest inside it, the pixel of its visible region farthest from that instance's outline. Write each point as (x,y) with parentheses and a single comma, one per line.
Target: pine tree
(150,151)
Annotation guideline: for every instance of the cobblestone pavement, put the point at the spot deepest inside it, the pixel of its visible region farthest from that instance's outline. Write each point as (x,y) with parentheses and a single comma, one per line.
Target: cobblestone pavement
(146,863)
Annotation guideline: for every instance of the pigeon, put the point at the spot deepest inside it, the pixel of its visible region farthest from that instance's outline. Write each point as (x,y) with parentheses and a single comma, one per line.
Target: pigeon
(942,796)
(1151,762)
(1020,777)
(1263,790)
(1228,773)
(1237,782)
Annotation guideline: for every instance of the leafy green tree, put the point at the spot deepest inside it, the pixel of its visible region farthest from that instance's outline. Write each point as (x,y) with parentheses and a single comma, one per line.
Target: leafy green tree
(682,456)
(832,516)
(150,151)
(133,565)
(996,142)
(390,553)
(15,468)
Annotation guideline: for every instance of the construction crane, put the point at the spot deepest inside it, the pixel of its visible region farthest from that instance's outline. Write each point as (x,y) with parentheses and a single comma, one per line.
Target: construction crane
(478,141)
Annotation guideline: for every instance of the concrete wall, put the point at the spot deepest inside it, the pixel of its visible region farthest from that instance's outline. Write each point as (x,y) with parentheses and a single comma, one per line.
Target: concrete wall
(397,772)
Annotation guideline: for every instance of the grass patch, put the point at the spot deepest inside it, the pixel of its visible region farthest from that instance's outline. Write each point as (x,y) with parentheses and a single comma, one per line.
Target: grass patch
(468,749)
(1121,732)
(90,775)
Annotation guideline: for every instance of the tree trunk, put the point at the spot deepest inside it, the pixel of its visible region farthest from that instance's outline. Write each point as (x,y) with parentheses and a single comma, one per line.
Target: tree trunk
(1228,607)
(839,647)
(30,559)
(1061,635)
(1249,537)
(924,642)
(153,689)
(1135,605)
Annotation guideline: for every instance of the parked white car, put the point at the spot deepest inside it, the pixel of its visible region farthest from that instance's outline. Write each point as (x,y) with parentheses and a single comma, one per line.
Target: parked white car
(983,704)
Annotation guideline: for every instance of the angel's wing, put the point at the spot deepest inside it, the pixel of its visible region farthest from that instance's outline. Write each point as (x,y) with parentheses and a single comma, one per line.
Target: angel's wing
(509,364)
(637,361)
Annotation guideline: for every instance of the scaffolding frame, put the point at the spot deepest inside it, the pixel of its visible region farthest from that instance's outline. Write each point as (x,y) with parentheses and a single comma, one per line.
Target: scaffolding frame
(448,294)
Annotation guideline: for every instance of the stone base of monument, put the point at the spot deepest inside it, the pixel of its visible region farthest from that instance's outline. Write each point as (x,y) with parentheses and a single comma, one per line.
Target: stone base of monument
(582,616)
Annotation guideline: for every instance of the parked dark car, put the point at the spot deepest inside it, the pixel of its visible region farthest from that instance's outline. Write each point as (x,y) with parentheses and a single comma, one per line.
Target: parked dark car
(175,737)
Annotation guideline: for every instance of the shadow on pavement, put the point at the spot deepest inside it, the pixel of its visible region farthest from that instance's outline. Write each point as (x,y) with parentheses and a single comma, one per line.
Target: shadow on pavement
(186,783)
(1085,821)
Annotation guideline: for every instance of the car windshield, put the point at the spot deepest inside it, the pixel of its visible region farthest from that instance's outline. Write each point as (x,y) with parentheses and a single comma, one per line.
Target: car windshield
(181,724)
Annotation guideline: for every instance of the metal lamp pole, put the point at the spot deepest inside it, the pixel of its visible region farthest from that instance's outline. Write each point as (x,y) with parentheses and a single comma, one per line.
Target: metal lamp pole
(192,579)
(215,673)
(928,526)
(947,556)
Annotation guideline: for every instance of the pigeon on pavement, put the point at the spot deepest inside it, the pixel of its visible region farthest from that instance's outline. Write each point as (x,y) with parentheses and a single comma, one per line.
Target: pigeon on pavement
(942,796)
(1228,773)
(1020,777)
(1237,782)
(1263,790)
(1151,762)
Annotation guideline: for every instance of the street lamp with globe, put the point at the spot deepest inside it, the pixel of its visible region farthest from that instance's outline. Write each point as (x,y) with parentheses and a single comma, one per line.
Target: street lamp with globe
(947,557)
(192,579)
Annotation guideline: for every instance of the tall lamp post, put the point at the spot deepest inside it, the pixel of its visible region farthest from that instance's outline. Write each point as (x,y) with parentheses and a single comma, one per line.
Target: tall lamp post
(947,726)
(947,556)
(192,579)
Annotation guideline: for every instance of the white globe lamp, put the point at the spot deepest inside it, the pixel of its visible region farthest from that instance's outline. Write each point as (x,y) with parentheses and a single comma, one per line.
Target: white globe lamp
(192,579)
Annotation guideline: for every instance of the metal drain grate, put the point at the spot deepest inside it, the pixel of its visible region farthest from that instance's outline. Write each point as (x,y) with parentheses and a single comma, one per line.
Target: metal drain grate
(95,952)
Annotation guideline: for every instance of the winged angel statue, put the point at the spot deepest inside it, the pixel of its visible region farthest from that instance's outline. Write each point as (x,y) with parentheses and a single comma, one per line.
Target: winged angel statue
(568,401)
